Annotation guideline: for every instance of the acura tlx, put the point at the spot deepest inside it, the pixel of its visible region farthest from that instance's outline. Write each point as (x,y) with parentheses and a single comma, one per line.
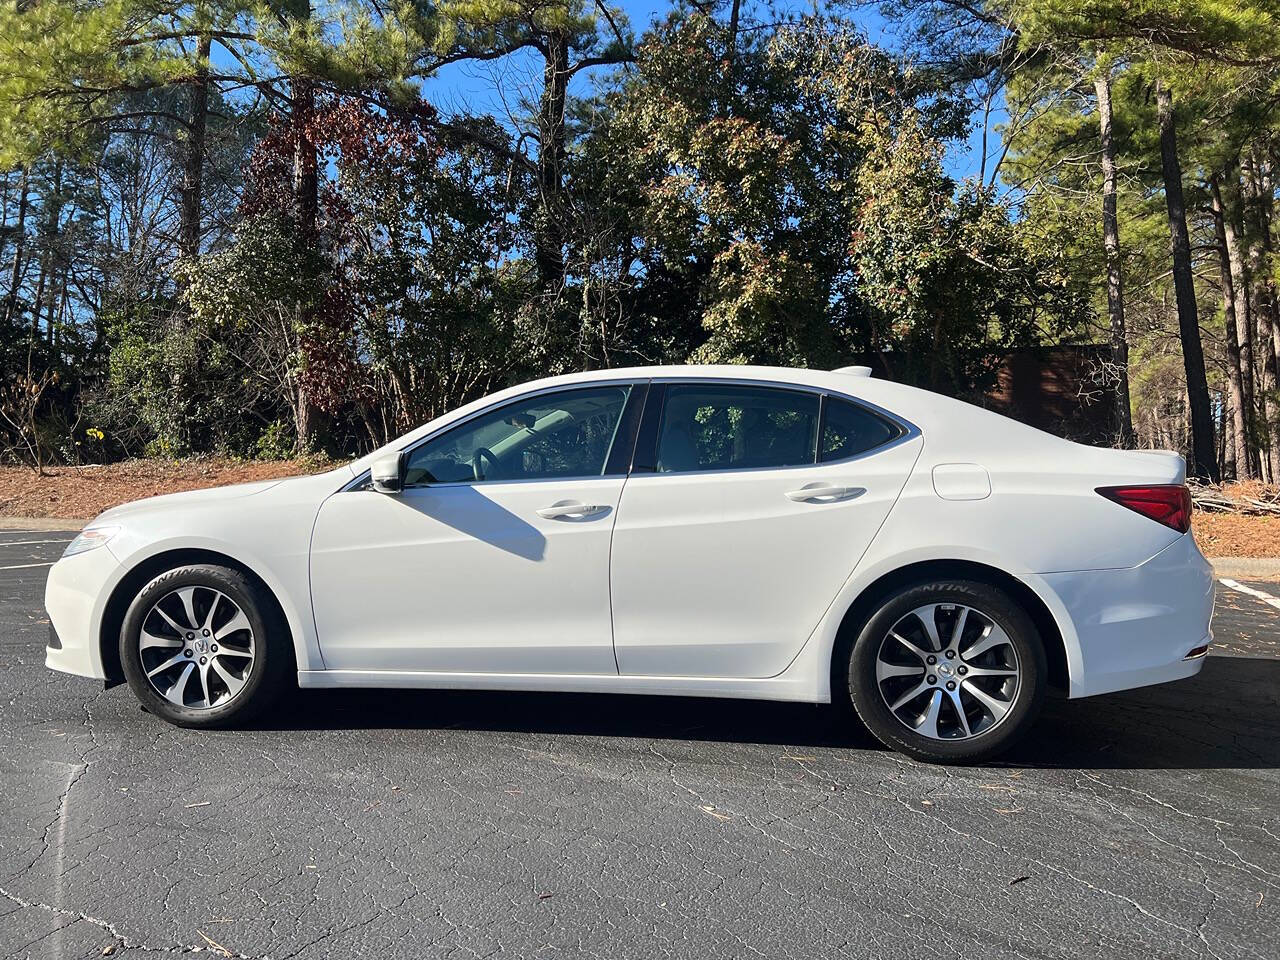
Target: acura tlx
(746,532)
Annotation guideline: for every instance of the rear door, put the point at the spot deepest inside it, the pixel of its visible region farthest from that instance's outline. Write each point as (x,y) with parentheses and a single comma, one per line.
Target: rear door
(747,508)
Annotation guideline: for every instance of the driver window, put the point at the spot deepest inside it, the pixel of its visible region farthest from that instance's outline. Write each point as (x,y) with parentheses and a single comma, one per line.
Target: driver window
(563,434)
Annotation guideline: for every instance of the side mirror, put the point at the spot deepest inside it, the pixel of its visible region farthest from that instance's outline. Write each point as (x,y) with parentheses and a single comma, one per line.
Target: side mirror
(387,473)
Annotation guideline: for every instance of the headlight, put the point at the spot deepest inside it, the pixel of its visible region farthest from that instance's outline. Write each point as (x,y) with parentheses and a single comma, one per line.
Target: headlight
(88,539)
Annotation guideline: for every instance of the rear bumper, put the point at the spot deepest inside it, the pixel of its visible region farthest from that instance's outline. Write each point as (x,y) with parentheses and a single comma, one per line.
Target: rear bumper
(74,597)
(1135,627)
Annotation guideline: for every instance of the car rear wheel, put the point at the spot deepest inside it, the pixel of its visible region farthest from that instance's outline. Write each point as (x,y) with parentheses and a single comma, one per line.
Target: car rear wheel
(201,646)
(949,671)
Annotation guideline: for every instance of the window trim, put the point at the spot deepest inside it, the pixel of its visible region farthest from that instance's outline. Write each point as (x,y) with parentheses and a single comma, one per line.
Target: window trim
(644,458)
(899,425)
(907,430)
(362,481)
(655,399)
(621,455)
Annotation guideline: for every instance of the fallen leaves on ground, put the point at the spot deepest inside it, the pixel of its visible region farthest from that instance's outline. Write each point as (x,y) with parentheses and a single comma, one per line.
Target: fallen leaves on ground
(81,493)
(1234,535)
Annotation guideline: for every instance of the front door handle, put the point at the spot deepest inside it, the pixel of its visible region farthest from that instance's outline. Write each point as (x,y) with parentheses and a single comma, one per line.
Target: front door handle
(820,491)
(570,510)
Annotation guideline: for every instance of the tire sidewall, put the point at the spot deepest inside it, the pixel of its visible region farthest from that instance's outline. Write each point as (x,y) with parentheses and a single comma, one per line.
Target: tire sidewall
(863,687)
(266,653)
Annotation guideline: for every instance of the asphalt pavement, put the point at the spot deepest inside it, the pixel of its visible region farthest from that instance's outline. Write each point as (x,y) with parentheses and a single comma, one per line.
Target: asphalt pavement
(422,824)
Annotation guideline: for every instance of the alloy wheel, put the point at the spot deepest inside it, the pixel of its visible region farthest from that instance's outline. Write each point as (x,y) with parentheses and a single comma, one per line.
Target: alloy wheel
(197,647)
(948,671)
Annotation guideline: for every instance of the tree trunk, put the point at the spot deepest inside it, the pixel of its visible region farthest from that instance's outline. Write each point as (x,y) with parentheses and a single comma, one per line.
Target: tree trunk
(1267,384)
(306,206)
(1237,398)
(190,189)
(1225,457)
(1115,290)
(19,248)
(303,415)
(734,9)
(306,182)
(1203,463)
(549,235)
(1265,196)
(37,302)
(47,235)
(1268,317)
(190,194)
(58,309)
(1244,324)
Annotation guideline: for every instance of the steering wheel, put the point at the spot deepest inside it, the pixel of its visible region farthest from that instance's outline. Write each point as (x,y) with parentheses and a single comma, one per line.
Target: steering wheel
(477,464)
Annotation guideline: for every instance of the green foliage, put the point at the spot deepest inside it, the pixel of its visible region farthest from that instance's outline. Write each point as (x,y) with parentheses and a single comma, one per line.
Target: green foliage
(1227,31)
(772,195)
(276,442)
(952,285)
(797,196)
(171,390)
(247,312)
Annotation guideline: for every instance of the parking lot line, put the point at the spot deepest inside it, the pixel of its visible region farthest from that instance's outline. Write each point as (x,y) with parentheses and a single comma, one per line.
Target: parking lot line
(24,566)
(23,543)
(1250,591)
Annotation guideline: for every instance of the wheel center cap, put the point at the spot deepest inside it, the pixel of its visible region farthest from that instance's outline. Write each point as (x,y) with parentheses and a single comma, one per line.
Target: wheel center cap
(946,669)
(200,646)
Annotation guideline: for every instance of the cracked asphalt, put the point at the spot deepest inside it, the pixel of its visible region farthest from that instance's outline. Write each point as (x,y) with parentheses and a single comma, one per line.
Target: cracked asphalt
(415,824)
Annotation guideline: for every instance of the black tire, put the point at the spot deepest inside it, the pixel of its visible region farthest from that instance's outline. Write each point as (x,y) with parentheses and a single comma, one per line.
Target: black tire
(992,603)
(265,681)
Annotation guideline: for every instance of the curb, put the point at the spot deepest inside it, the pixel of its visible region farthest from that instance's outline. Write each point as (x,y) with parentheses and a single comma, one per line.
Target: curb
(1246,568)
(42,523)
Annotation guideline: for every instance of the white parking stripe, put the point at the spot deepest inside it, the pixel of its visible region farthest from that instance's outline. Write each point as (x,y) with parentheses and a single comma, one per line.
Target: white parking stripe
(24,566)
(23,543)
(1250,591)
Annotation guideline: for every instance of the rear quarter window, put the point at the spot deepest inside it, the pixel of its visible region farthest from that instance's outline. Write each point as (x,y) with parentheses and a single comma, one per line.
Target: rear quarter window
(849,430)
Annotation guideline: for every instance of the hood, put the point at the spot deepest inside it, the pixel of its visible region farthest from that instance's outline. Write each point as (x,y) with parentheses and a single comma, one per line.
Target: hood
(189,498)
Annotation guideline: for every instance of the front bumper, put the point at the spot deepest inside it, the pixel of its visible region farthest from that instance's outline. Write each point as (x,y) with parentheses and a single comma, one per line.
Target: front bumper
(75,596)
(1135,627)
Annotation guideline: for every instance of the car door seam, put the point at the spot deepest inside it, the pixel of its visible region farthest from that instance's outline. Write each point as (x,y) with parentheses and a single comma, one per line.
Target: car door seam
(857,563)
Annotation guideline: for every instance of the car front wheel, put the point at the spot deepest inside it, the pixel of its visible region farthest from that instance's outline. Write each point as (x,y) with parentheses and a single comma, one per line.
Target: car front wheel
(949,671)
(202,646)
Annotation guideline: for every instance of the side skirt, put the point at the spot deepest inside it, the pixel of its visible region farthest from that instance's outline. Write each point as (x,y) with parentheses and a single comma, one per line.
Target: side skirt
(786,686)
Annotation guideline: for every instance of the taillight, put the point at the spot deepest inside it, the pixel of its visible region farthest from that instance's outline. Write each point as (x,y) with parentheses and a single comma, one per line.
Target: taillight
(1166,503)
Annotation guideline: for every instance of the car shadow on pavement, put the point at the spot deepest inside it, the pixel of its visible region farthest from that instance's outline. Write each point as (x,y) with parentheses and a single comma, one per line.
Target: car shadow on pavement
(1227,716)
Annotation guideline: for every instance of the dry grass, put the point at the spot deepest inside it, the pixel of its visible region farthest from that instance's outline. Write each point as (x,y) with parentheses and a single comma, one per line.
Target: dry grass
(84,492)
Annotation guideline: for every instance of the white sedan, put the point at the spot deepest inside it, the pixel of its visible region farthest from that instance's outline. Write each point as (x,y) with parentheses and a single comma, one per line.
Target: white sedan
(707,531)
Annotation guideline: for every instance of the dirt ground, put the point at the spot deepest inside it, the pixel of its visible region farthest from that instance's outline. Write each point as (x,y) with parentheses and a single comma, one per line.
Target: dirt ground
(78,493)
(84,492)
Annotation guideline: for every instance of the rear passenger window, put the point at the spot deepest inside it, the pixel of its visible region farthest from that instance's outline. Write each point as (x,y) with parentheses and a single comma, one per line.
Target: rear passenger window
(848,430)
(710,427)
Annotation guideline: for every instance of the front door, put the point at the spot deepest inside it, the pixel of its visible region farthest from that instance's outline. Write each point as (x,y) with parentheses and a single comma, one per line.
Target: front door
(759,504)
(494,558)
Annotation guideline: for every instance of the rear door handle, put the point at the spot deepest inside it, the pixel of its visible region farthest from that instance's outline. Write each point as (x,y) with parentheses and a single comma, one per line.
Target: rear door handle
(570,510)
(820,491)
